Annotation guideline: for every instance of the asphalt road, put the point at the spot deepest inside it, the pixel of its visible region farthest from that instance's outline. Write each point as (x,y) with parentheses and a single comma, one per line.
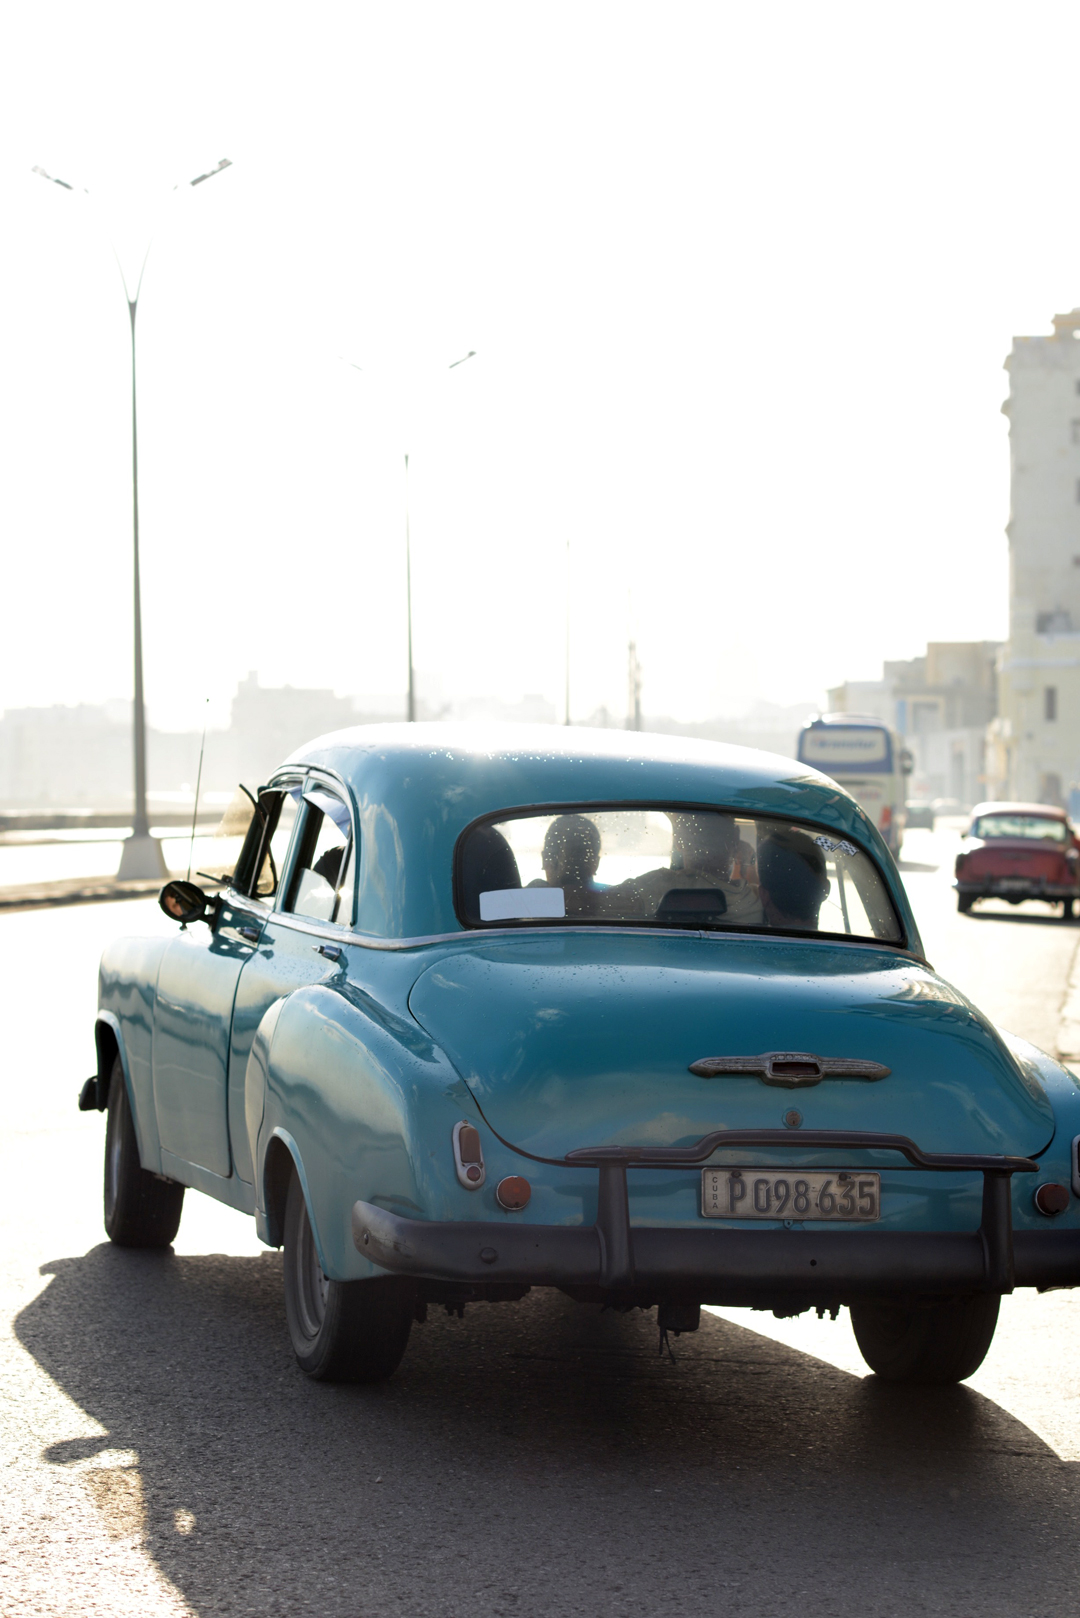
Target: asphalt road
(160,1453)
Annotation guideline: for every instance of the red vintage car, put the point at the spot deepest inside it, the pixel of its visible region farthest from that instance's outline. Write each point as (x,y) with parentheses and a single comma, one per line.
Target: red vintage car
(1018,851)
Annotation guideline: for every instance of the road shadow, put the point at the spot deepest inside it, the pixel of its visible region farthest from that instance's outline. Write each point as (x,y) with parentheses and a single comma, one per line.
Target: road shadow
(1026,918)
(537,1458)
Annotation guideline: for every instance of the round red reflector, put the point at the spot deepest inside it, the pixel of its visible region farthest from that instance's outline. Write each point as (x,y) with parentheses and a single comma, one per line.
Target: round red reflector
(472,1172)
(513,1193)
(1051,1198)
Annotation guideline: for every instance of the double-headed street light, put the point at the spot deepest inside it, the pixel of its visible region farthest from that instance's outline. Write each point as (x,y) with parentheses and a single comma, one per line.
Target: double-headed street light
(142,855)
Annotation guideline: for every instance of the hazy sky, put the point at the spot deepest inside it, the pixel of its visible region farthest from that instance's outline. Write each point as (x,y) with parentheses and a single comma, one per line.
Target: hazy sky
(740,279)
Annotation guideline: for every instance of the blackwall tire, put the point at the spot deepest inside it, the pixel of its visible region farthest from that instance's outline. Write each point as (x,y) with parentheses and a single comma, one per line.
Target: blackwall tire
(930,1344)
(341,1331)
(1067,906)
(141,1210)
(964,902)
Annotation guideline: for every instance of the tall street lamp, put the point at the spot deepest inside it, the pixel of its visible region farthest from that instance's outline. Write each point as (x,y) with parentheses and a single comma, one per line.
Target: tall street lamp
(410,709)
(142,855)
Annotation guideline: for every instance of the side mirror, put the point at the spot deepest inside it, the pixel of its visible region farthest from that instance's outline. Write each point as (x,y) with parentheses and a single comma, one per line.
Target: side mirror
(907,762)
(183,901)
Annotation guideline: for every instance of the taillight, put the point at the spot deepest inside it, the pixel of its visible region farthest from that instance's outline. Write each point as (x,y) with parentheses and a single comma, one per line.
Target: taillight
(468,1156)
(886,819)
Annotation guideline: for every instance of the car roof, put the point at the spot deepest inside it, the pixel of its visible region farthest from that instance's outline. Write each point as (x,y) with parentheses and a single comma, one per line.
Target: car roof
(1000,807)
(418,786)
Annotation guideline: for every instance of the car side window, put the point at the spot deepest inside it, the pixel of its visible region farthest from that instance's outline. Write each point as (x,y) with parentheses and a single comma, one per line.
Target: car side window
(277,811)
(320,886)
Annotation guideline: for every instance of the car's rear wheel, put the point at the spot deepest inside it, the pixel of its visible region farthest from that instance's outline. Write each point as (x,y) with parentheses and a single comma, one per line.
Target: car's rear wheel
(141,1209)
(342,1331)
(964,902)
(902,1341)
(1067,909)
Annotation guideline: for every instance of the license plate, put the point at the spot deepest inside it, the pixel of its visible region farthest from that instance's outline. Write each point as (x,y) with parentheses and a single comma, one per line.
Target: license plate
(1013,882)
(847,1196)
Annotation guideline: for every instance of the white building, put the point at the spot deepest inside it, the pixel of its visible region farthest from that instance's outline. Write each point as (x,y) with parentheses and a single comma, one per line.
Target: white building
(1035,741)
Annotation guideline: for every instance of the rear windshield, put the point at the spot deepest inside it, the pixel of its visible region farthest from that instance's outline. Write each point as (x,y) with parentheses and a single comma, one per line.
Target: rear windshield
(1040,827)
(696,868)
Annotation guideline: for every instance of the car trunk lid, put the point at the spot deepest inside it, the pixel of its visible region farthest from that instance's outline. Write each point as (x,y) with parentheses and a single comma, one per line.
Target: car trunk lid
(578,1039)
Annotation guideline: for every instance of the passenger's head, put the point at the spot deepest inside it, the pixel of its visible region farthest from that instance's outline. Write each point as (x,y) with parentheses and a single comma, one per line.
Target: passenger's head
(571,851)
(704,842)
(487,865)
(793,882)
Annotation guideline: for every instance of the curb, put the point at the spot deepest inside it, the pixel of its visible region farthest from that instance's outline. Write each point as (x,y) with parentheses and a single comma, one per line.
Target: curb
(1068,1036)
(74,891)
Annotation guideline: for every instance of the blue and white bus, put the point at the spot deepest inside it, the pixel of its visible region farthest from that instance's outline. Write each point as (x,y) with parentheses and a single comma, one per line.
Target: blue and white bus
(866,758)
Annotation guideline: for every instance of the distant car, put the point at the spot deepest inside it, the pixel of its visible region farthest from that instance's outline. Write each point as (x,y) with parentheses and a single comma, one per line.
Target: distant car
(1018,851)
(642,1019)
(919,815)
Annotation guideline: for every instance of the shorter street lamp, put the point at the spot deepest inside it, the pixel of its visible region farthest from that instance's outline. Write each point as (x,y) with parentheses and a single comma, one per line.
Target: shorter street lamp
(410,711)
(141,856)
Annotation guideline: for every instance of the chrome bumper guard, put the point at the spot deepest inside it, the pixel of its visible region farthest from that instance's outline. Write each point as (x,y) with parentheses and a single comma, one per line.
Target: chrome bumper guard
(728,1266)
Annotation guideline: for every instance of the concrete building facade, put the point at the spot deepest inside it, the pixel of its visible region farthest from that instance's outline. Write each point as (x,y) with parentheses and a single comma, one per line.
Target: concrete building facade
(941,704)
(1034,743)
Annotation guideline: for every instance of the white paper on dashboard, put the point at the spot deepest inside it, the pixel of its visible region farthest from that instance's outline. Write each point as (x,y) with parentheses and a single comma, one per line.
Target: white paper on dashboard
(519,904)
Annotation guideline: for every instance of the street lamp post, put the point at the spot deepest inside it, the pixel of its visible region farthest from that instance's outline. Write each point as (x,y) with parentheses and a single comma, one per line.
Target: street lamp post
(410,708)
(141,856)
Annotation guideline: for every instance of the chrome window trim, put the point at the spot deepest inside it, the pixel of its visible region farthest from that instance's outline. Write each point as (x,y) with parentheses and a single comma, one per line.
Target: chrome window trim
(474,935)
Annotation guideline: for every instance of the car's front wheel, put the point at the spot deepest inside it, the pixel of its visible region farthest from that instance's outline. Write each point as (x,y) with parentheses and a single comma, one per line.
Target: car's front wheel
(342,1331)
(928,1343)
(141,1209)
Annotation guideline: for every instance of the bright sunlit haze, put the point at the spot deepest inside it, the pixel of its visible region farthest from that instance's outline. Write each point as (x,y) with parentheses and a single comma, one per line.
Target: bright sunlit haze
(740,282)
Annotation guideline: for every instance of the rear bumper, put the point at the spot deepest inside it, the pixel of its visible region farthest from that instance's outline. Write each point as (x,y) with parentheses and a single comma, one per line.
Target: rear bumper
(714,1266)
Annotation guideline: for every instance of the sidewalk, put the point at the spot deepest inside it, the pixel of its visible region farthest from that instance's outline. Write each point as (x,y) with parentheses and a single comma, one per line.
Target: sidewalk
(1068,1039)
(74,890)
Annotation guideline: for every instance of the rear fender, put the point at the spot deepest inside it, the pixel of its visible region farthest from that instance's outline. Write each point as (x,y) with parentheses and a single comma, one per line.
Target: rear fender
(355,1097)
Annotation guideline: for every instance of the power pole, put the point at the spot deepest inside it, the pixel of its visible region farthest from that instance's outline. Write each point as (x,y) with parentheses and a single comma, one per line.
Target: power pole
(633,714)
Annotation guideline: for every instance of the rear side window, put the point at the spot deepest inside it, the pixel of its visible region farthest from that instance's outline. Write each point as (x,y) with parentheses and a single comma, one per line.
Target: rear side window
(678,868)
(320,885)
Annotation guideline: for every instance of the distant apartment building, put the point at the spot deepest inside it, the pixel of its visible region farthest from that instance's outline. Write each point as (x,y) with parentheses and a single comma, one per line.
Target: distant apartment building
(1034,750)
(941,704)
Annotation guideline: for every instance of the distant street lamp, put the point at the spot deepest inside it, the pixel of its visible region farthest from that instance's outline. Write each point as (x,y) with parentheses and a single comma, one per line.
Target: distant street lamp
(142,855)
(410,709)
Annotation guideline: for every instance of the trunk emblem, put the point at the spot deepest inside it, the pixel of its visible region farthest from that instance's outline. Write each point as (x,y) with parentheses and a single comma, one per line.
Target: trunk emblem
(791,1070)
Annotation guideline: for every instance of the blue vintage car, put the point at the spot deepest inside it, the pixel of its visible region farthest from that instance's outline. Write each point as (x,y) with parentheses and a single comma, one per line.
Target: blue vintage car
(647,1020)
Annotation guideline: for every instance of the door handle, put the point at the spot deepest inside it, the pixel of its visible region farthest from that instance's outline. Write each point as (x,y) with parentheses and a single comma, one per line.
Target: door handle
(331,951)
(250,933)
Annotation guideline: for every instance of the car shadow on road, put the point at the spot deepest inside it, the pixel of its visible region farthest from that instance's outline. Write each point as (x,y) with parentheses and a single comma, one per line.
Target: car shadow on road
(537,1458)
(1026,918)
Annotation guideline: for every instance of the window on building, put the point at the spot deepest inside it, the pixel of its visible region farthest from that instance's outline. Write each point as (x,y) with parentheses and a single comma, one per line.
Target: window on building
(1050,702)
(1076,428)
(1076,561)
(1078,491)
